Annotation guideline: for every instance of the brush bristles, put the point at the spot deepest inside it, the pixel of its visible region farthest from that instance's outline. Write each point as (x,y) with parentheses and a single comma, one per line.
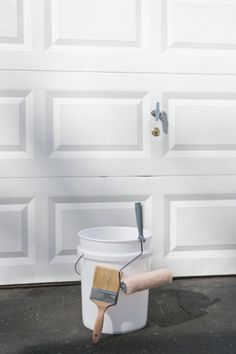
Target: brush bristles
(106,278)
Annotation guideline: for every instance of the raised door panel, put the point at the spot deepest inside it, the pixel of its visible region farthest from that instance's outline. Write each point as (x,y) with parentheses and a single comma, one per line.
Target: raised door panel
(86,124)
(16,124)
(18,233)
(191,24)
(73,25)
(168,36)
(200,124)
(198,36)
(40,219)
(64,124)
(68,215)
(97,124)
(15,25)
(192,220)
(197,225)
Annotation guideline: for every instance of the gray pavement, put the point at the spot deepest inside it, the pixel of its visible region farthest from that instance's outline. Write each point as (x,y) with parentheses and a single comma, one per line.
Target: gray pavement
(190,316)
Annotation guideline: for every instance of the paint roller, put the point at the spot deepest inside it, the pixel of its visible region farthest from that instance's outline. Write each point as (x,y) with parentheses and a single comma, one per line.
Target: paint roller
(148,280)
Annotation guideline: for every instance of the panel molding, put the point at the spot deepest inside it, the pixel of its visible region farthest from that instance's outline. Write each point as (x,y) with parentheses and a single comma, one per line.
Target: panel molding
(25,207)
(98,205)
(136,19)
(18,37)
(216,125)
(173,204)
(178,12)
(19,143)
(132,140)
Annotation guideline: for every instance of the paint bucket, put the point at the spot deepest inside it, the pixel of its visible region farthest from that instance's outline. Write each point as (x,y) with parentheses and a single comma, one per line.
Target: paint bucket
(114,246)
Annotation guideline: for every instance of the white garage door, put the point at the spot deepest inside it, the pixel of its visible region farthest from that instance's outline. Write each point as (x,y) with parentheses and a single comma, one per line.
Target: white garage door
(78,82)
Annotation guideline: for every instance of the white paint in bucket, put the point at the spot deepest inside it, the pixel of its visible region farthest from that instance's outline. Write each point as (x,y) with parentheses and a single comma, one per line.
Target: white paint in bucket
(114,246)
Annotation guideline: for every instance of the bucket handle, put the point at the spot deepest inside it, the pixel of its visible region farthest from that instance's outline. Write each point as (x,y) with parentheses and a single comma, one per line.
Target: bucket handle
(141,238)
(134,259)
(139,220)
(76,264)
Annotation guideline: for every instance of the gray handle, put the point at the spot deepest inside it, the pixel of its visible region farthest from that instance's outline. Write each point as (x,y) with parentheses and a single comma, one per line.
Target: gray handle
(139,220)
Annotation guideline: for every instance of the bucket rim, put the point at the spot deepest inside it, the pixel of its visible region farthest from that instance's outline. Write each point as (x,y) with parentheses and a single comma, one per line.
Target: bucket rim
(147,234)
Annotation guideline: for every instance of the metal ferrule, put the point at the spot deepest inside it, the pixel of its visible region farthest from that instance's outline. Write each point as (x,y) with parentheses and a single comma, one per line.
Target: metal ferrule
(104,295)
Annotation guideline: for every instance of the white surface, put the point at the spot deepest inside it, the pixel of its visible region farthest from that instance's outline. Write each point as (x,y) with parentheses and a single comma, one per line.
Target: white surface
(15,27)
(8,11)
(80,21)
(102,243)
(186,214)
(78,80)
(165,36)
(65,135)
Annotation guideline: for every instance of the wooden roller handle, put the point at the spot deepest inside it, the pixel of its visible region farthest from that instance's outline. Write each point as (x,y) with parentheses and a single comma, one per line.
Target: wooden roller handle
(145,281)
(98,324)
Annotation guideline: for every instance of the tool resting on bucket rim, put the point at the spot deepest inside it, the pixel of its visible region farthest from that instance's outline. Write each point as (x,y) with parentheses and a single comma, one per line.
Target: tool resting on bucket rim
(139,220)
(106,281)
(147,280)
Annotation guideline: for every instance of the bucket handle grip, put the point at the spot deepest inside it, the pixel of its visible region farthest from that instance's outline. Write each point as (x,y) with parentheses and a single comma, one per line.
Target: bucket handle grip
(141,238)
(139,220)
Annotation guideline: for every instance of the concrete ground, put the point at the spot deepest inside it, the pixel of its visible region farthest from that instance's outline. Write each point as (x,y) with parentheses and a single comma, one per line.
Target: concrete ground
(187,317)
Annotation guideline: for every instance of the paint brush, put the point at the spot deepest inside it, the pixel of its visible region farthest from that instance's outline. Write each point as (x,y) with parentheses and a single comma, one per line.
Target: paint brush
(104,293)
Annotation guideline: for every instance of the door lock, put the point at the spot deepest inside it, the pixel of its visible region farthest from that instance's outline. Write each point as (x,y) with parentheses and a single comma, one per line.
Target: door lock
(156,131)
(157,115)
(162,117)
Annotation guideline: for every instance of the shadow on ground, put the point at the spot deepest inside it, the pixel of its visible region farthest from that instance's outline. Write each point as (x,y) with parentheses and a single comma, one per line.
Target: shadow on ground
(169,310)
(170,307)
(133,344)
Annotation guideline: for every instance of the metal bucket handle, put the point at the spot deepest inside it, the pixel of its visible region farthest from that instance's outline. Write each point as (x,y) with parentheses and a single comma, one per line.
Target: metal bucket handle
(76,264)
(139,220)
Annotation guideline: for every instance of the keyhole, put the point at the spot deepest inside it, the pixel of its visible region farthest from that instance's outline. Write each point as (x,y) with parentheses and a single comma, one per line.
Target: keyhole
(155,131)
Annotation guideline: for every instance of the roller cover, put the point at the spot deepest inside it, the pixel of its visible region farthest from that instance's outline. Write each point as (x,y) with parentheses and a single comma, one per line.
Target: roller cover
(147,280)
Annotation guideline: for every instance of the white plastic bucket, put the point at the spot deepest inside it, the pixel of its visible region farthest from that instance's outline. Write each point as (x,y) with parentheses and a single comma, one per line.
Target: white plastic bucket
(114,246)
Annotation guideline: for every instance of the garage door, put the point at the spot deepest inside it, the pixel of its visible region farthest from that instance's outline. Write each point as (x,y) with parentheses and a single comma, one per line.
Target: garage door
(78,83)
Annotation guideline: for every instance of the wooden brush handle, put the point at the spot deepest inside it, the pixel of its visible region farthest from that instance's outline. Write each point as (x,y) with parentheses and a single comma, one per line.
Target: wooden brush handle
(98,324)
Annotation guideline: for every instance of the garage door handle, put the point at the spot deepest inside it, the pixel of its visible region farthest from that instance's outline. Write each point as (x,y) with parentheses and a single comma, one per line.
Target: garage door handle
(156,113)
(162,116)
